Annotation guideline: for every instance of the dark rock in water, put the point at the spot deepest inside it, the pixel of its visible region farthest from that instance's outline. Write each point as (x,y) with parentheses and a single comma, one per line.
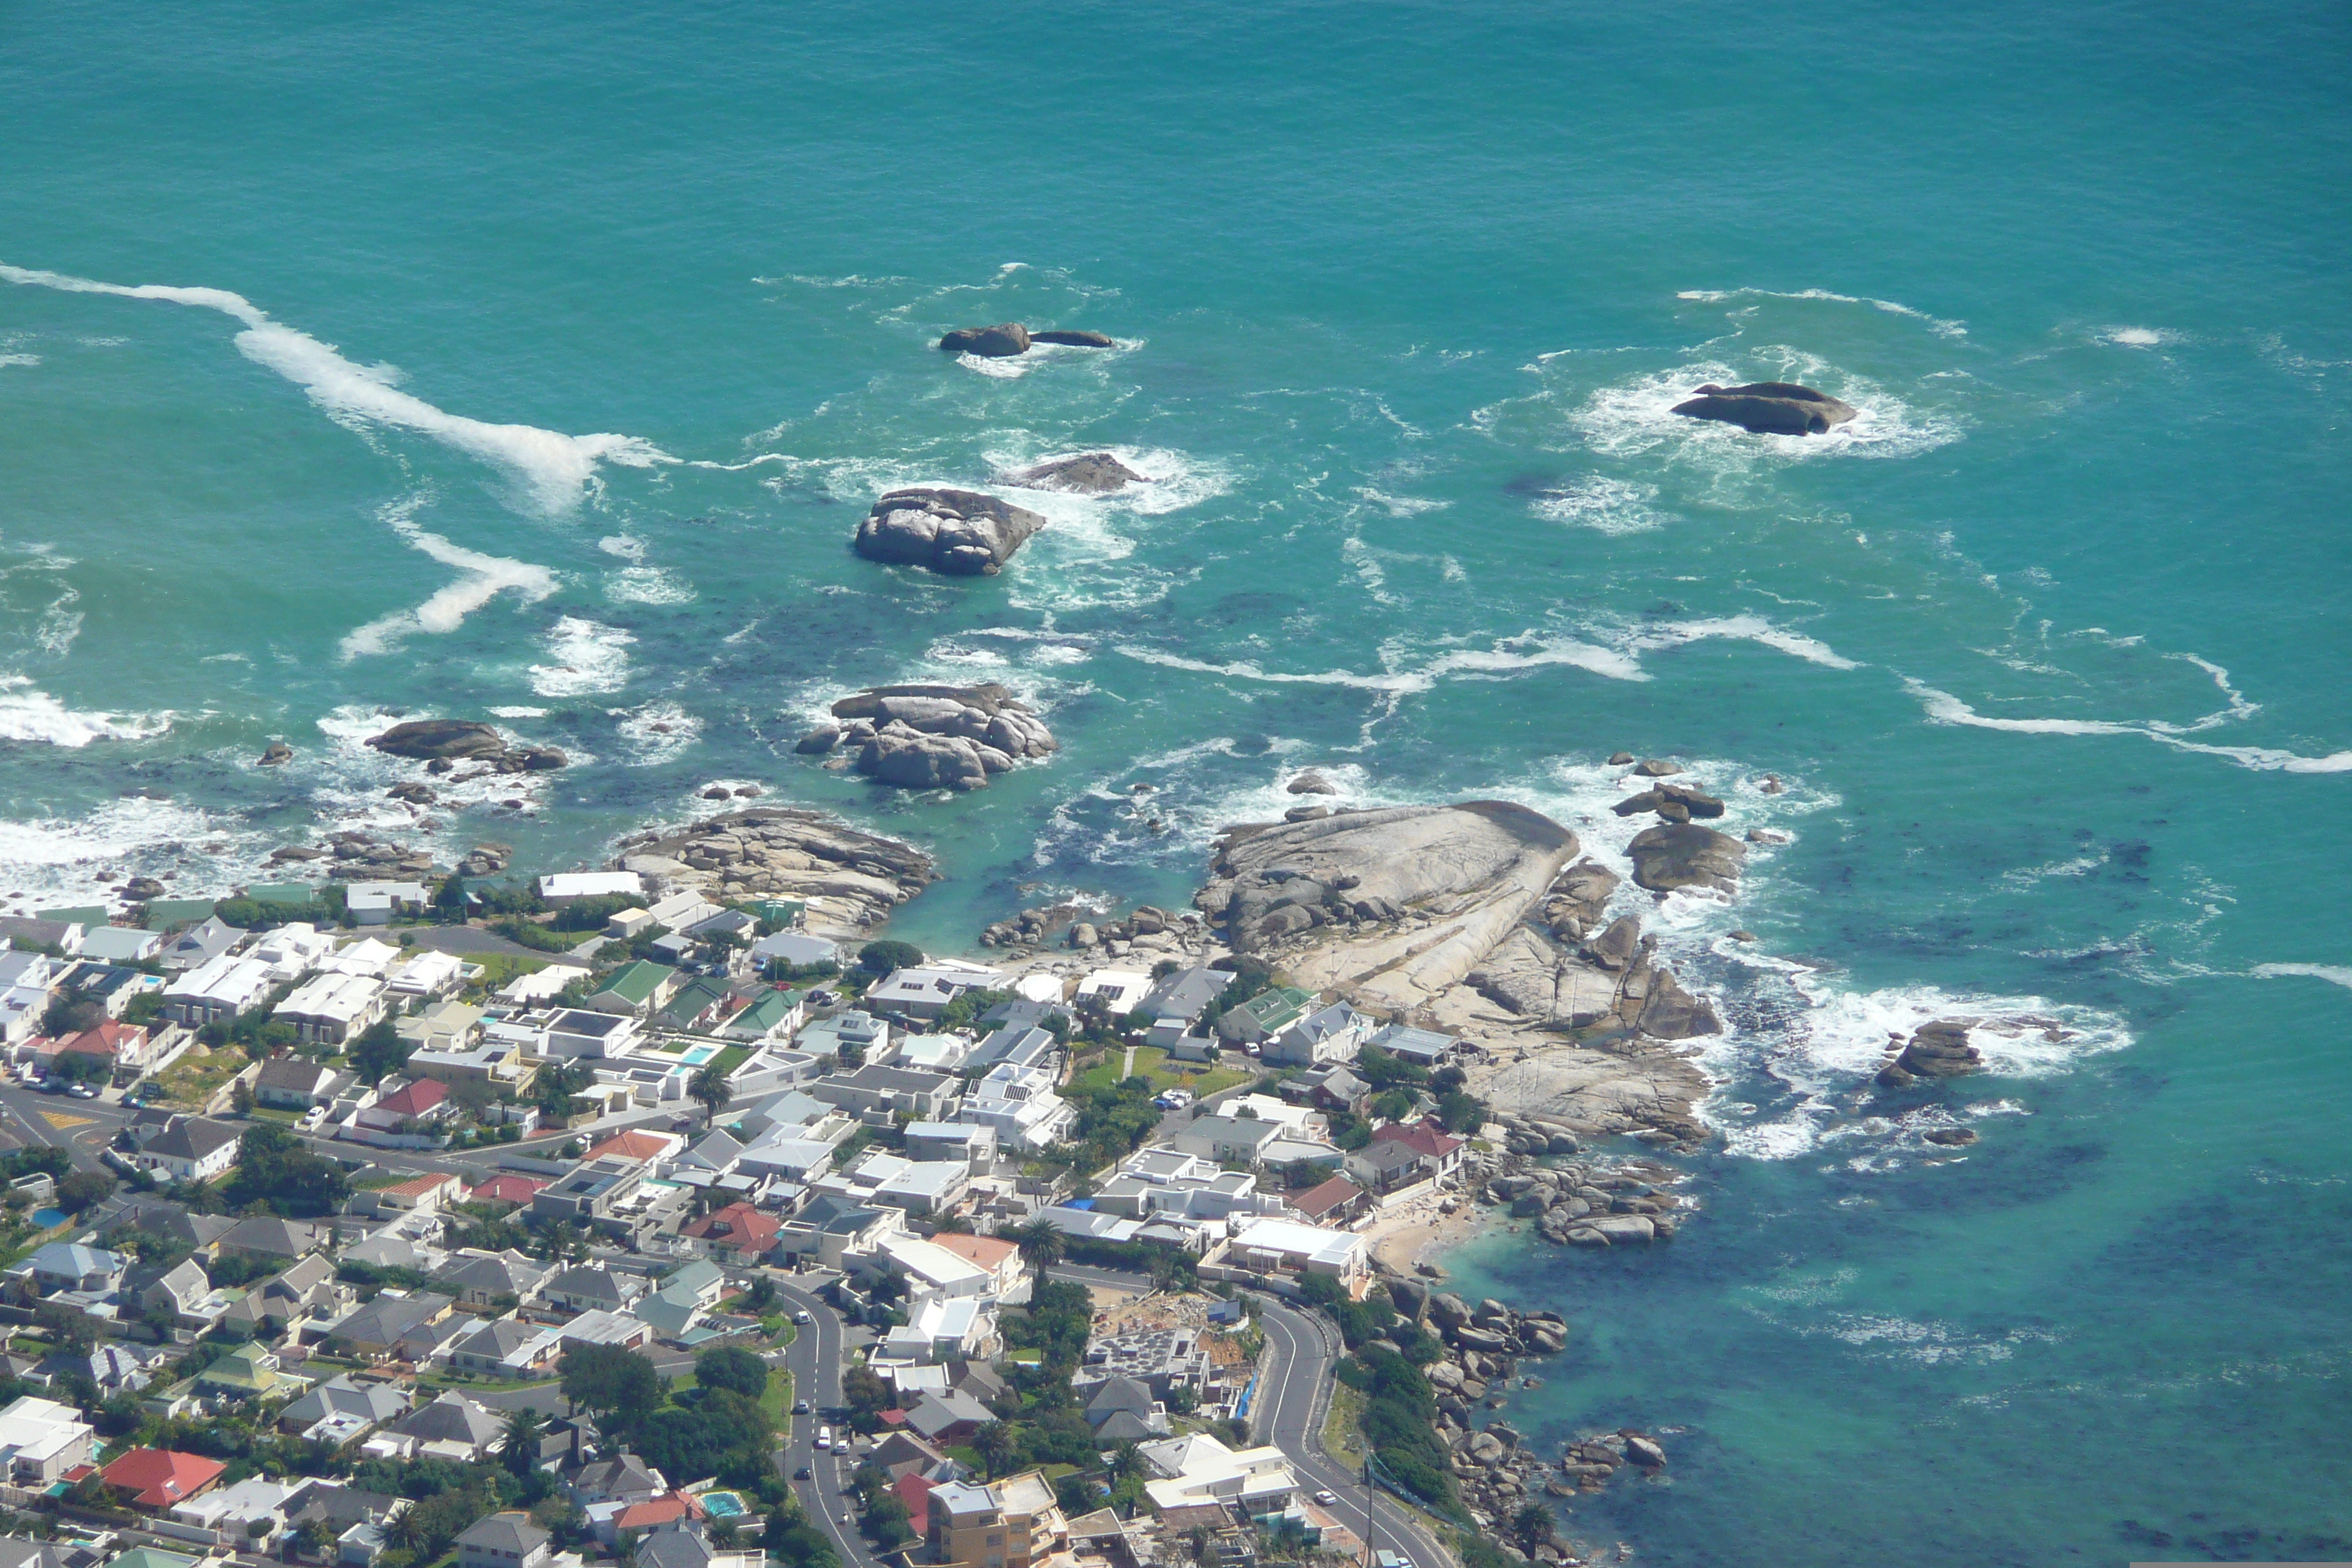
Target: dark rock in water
(1768,408)
(1939,1049)
(413,794)
(440,738)
(533,760)
(718,792)
(277,754)
(1003,341)
(1311,782)
(957,533)
(1743,936)
(1671,1013)
(1089,474)
(748,791)
(819,740)
(1685,855)
(928,737)
(1952,1136)
(1667,800)
(1075,340)
(440,765)
(1657,768)
(139,890)
(1620,759)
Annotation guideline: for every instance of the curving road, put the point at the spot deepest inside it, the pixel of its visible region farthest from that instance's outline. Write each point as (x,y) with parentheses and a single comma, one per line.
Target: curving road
(1293,1396)
(816,1357)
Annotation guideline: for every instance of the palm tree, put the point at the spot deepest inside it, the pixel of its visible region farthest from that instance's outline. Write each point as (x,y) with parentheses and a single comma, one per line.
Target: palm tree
(1041,1244)
(524,1428)
(407,1530)
(1533,1525)
(709,1086)
(1125,1460)
(995,1445)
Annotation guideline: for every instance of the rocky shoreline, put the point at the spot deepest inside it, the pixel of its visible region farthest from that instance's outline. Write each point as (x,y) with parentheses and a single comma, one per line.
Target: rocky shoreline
(931,737)
(850,879)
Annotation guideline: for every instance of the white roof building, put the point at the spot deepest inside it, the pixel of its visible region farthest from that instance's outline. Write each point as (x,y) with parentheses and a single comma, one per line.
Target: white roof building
(427,975)
(222,988)
(41,1438)
(1289,1247)
(332,1007)
(1119,989)
(925,991)
(365,957)
(1198,1470)
(119,944)
(1020,1104)
(932,1270)
(292,951)
(374,903)
(541,985)
(233,1507)
(563,887)
(941,1329)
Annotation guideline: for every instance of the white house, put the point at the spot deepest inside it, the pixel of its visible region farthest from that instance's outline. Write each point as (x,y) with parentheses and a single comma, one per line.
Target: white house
(1332,1034)
(222,988)
(570,887)
(427,975)
(292,951)
(1020,1104)
(329,1009)
(375,903)
(1284,1246)
(925,993)
(41,1439)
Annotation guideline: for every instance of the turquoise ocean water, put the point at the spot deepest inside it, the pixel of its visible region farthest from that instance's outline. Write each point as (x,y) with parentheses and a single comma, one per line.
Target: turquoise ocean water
(536,362)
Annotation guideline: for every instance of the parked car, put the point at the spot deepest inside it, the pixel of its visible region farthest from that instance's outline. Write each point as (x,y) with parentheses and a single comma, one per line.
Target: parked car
(81,1091)
(1327,1498)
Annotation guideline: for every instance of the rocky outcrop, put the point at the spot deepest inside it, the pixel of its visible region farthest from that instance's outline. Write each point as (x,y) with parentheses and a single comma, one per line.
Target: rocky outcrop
(1612,983)
(1937,1049)
(1311,782)
(277,753)
(957,533)
(1577,1204)
(447,742)
(1087,474)
(1676,854)
(1007,340)
(1003,341)
(1574,904)
(850,879)
(1392,906)
(1768,408)
(1675,803)
(933,737)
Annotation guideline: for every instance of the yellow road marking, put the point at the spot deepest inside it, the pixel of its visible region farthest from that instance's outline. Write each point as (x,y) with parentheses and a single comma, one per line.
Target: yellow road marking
(60,1121)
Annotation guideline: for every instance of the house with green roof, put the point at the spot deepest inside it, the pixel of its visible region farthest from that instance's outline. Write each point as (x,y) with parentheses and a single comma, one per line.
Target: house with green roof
(696,1005)
(772,1015)
(636,989)
(248,1372)
(1267,1015)
(149,1557)
(169,914)
(281,893)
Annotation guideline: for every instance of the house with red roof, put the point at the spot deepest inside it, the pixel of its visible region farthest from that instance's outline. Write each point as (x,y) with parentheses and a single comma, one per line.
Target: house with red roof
(666,1511)
(111,1040)
(505,1190)
(637,1143)
(161,1478)
(737,1234)
(1335,1202)
(423,1102)
(915,1493)
(1402,1153)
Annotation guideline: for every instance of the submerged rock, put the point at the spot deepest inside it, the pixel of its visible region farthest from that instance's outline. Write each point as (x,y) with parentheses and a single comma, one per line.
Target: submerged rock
(957,533)
(1071,339)
(1311,782)
(1003,341)
(1768,408)
(1088,473)
(430,739)
(1952,1136)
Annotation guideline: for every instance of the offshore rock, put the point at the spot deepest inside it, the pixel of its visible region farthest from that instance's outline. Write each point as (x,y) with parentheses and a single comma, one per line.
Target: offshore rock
(1071,339)
(933,737)
(956,533)
(1768,408)
(1660,797)
(1088,474)
(1937,1049)
(1311,782)
(275,754)
(1003,341)
(1677,854)
(427,739)
(850,879)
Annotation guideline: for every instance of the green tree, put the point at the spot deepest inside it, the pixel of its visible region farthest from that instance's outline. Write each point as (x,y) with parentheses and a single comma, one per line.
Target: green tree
(379,1052)
(612,1381)
(882,957)
(83,1188)
(864,1392)
(996,1446)
(736,1370)
(277,1169)
(1533,1526)
(82,1067)
(524,1429)
(1041,1244)
(710,1087)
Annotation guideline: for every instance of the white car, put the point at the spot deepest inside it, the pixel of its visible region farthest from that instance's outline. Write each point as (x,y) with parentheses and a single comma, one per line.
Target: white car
(802,1316)
(824,1439)
(1327,1498)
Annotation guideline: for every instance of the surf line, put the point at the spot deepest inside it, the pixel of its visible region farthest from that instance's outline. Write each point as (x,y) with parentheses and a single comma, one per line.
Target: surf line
(556,469)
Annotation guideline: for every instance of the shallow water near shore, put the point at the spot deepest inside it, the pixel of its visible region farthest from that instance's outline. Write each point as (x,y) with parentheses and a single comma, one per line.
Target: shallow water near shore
(526,366)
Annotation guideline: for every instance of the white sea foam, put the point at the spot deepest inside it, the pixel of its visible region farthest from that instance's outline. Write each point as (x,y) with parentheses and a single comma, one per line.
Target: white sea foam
(1941,327)
(486,577)
(54,860)
(659,731)
(1602,504)
(25,360)
(2139,337)
(1738,628)
(557,470)
(648,586)
(515,713)
(2333,973)
(589,658)
(1943,708)
(29,714)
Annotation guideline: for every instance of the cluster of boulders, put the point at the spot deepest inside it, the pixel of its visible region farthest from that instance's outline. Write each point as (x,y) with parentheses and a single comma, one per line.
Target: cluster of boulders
(442,743)
(1677,854)
(1610,981)
(1577,1204)
(1009,340)
(1936,1049)
(1673,802)
(933,737)
(1591,1463)
(1087,474)
(485,859)
(1031,928)
(956,533)
(358,856)
(850,879)
(1768,408)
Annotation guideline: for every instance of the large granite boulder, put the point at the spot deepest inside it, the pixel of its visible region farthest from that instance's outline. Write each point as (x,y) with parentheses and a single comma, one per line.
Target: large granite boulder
(1401,902)
(425,739)
(1675,855)
(850,879)
(1071,339)
(1003,341)
(957,533)
(1768,408)
(933,737)
(1087,474)
(1937,1049)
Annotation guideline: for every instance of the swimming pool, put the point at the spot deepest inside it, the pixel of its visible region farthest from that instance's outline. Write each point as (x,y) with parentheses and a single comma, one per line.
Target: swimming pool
(721,1505)
(695,1056)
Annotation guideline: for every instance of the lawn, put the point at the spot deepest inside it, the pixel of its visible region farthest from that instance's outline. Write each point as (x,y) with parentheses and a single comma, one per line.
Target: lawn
(1153,1063)
(197,1076)
(1342,1430)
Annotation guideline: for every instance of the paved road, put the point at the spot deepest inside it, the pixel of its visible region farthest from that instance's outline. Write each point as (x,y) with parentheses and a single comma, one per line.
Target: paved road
(817,1358)
(1294,1397)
